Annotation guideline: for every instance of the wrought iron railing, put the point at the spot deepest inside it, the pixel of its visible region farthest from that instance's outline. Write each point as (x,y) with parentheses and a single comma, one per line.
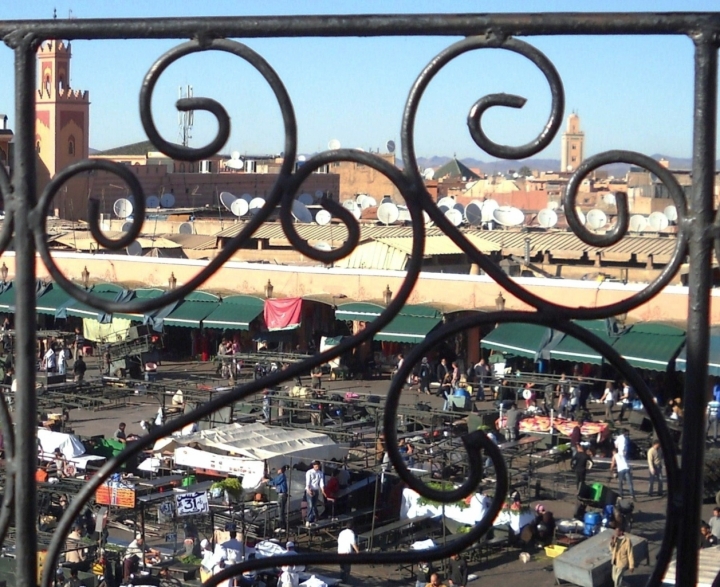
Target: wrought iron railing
(698,231)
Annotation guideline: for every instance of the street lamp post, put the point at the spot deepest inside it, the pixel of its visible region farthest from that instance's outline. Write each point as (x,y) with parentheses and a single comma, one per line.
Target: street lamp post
(269,289)
(172,281)
(387,295)
(500,302)
(85,276)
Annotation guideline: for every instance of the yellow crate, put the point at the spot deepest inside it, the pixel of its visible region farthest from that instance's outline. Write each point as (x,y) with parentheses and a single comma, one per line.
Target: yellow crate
(554,550)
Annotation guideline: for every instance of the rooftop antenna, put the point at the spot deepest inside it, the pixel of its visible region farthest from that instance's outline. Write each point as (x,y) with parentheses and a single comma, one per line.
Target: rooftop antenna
(186,118)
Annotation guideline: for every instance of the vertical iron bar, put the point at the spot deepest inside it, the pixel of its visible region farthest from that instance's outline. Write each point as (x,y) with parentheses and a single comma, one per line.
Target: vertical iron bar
(700,252)
(26,412)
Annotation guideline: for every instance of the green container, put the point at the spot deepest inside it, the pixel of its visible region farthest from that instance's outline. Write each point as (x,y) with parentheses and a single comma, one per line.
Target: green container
(188,481)
(596,490)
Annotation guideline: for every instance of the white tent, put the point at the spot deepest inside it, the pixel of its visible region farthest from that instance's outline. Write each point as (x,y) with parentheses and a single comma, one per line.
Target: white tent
(70,446)
(252,448)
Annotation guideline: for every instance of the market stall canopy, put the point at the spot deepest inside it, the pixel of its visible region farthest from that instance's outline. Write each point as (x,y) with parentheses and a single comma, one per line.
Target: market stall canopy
(192,310)
(520,339)
(650,346)
(54,301)
(362,311)
(404,328)
(69,445)
(140,294)
(235,313)
(713,358)
(571,349)
(283,313)
(104,291)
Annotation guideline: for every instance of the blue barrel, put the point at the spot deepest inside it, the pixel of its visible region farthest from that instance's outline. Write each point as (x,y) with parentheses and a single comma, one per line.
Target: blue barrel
(592,522)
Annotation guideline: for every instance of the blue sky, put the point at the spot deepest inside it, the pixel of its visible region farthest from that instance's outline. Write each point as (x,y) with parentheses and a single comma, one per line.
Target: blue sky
(631,92)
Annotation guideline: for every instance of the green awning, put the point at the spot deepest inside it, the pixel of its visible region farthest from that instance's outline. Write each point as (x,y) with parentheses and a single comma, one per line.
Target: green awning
(140,294)
(650,346)
(189,313)
(54,301)
(713,352)
(362,311)
(571,349)
(411,329)
(104,292)
(235,313)
(517,338)
(7,299)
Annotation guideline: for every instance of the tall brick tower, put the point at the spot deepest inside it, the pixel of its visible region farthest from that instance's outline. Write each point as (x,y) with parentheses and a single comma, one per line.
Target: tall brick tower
(573,145)
(62,123)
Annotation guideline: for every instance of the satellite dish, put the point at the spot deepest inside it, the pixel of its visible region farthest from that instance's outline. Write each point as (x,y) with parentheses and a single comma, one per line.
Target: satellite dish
(404,214)
(370,202)
(387,213)
(508,216)
(596,219)
(658,221)
(227,199)
(446,203)
(255,205)
(235,163)
(455,216)
(671,213)
(390,146)
(323,217)
(323,246)
(247,197)
(319,194)
(547,218)
(553,205)
(300,212)
(239,207)
(234,155)
(638,223)
(167,200)
(460,208)
(353,207)
(473,213)
(609,199)
(153,202)
(306,199)
(126,227)
(488,207)
(302,158)
(334,144)
(123,208)
(185,228)
(429,173)
(426,218)
(360,199)
(134,249)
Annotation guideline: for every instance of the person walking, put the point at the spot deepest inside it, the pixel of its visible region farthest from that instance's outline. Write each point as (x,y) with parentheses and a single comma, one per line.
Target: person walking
(424,374)
(458,571)
(279,482)
(626,399)
(620,463)
(424,572)
(621,556)
(314,485)
(347,543)
(61,361)
(79,368)
(713,414)
(443,376)
(579,465)
(655,463)
(482,373)
(609,397)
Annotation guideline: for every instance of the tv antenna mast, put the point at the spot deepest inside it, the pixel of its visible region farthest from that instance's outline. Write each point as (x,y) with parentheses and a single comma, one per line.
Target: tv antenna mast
(186,118)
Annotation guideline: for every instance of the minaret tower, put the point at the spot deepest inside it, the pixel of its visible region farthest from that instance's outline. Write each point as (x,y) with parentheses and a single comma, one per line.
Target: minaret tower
(573,145)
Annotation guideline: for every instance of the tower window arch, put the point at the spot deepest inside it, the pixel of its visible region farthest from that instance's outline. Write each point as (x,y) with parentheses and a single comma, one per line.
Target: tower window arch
(182,167)
(71,145)
(37,146)
(47,84)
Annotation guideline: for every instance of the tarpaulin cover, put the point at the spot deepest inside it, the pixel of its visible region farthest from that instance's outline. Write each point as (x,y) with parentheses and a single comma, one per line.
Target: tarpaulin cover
(283,314)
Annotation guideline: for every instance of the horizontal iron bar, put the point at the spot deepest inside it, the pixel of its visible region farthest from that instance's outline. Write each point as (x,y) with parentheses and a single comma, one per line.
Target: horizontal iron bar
(525,24)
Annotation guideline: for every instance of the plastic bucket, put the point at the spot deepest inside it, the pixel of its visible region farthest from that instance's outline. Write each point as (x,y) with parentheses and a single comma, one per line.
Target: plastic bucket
(592,522)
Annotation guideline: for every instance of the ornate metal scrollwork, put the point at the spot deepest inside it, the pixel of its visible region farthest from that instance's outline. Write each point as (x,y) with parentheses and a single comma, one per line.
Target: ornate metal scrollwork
(210,36)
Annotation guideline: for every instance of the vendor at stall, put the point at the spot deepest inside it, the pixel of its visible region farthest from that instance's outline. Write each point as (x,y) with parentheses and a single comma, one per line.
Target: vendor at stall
(138,548)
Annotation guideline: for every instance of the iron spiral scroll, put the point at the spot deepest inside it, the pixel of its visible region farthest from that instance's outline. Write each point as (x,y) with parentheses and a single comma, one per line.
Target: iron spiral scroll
(26,217)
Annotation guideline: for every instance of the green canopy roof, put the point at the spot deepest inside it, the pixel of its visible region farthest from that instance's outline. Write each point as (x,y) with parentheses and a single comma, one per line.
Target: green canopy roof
(107,292)
(516,338)
(411,329)
(7,299)
(54,301)
(235,313)
(650,346)
(571,349)
(713,358)
(189,313)
(363,311)
(141,294)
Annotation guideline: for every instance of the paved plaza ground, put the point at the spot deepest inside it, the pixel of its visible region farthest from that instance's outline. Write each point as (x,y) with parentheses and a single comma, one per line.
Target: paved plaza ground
(503,568)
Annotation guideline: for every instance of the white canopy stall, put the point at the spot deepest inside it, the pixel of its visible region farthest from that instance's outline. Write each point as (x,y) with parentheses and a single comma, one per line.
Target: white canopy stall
(69,445)
(249,450)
